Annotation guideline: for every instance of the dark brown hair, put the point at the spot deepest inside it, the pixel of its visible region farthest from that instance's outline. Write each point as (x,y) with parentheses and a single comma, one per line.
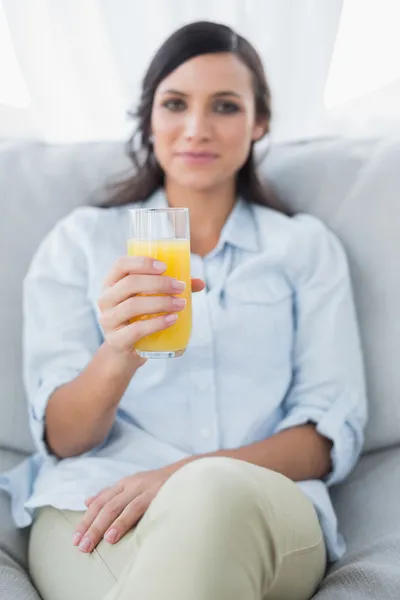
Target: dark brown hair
(192,40)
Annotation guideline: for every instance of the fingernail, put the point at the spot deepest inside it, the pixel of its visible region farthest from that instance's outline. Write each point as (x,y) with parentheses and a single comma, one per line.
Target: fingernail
(77,538)
(111,535)
(171,319)
(85,544)
(179,302)
(159,266)
(178,285)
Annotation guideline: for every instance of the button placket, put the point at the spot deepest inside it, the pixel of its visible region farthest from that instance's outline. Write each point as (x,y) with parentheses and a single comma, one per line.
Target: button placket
(203,401)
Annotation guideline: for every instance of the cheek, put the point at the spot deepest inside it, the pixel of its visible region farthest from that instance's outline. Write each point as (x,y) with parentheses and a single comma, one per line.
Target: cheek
(165,136)
(164,127)
(165,131)
(236,136)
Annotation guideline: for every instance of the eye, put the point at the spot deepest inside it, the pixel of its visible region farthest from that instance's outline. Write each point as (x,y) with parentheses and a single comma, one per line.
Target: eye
(226,107)
(174,104)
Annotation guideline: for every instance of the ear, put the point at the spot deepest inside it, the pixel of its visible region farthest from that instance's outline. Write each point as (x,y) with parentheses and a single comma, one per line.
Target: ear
(259,130)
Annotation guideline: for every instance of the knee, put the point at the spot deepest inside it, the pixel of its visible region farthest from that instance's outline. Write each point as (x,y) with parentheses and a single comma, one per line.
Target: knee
(214,487)
(211,477)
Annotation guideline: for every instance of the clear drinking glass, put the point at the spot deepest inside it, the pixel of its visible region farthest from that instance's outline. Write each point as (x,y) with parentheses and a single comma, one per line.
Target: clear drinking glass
(163,234)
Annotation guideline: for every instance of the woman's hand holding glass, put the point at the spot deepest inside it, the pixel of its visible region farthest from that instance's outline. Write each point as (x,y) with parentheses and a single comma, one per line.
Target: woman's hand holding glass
(136,288)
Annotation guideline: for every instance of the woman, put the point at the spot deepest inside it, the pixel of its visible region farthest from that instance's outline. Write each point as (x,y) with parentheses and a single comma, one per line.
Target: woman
(205,477)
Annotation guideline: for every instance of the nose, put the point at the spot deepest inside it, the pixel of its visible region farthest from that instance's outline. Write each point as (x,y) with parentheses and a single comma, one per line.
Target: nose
(197,126)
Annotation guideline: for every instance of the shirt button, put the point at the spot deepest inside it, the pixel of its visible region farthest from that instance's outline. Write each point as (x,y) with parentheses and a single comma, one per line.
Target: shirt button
(205,433)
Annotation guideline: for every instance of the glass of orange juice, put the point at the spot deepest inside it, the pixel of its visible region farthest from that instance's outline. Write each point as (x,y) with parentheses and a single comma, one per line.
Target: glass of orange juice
(163,234)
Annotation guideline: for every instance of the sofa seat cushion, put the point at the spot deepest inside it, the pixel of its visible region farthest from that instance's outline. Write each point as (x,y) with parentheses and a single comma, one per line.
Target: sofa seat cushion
(368,508)
(12,541)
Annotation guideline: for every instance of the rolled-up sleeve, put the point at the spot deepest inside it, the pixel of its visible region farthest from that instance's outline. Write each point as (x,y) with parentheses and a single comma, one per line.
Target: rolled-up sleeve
(328,386)
(61,333)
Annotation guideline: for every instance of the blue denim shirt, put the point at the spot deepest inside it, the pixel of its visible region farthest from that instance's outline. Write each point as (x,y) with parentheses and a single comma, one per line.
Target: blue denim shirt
(274,345)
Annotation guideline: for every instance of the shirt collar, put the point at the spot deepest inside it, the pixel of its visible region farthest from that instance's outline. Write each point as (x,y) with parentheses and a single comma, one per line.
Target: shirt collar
(157,200)
(240,229)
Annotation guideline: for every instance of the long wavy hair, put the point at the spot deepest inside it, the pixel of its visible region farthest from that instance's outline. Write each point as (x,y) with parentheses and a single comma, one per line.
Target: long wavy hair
(195,39)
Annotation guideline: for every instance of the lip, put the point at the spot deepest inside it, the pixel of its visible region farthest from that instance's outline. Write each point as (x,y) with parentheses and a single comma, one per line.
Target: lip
(197,157)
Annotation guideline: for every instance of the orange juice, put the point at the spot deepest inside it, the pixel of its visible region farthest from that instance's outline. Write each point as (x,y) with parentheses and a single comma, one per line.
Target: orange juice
(175,254)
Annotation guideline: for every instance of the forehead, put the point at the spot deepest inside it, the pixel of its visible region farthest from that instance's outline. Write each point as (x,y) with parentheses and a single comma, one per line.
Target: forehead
(209,73)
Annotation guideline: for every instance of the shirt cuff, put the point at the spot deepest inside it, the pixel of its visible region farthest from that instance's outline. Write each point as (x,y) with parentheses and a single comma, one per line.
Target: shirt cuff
(38,406)
(345,432)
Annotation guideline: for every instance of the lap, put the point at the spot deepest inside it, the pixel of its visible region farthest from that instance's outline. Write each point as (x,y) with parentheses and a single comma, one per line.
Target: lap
(235,487)
(233,490)
(60,571)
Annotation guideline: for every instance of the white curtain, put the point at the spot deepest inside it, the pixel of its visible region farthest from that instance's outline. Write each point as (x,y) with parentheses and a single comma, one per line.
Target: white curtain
(363,90)
(82,61)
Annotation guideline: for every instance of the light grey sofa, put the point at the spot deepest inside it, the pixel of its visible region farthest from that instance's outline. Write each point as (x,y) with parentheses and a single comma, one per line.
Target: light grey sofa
(352,185)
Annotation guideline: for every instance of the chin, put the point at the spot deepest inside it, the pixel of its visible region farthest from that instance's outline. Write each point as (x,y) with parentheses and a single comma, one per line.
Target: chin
(200,181)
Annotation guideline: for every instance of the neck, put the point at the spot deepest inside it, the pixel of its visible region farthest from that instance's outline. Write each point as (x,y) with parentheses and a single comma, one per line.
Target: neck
(208,210)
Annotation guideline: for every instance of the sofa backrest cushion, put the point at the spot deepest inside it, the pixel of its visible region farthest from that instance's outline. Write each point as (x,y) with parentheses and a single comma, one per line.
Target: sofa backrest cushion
(354,186)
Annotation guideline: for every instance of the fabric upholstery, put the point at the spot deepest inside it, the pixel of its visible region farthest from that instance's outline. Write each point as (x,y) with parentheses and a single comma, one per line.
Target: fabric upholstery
(14,581)
(354,187)
(38,185)
(368,509)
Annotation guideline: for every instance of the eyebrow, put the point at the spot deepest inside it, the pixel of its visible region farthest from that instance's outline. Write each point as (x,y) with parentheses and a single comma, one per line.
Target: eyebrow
(216,95)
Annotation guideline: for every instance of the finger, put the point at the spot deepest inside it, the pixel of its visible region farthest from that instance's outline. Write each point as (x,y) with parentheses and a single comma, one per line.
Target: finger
(128,518)
(92,513)
(198,285)
(128,336)
(138,284)
(89,500)
(104,520)
(139,306)
(126,265)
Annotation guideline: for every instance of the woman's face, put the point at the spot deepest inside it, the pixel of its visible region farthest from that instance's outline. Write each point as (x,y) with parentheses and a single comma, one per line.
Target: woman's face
(203,121)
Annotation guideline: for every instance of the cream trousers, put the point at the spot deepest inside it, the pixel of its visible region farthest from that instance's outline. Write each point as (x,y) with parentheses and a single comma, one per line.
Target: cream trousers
(219,529)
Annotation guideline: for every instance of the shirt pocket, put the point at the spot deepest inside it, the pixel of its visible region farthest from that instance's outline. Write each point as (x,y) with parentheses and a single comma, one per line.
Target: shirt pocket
(261,310)
(266,290)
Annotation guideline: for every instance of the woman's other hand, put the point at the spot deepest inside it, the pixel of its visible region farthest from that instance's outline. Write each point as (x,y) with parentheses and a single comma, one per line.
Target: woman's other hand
(115,510)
